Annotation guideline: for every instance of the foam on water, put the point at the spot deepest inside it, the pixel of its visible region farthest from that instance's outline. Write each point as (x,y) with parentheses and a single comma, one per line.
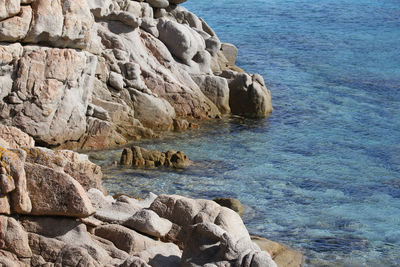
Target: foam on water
(322,173)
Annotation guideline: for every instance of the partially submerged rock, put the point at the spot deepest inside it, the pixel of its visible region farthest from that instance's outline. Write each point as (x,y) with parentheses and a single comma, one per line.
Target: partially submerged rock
(140,157)
(282,255)
(231,203)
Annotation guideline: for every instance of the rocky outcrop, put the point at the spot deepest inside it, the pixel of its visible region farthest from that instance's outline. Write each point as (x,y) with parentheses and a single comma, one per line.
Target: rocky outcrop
(95,74)
(140,157)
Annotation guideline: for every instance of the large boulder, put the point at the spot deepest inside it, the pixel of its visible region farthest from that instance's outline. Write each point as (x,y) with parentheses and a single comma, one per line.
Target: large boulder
(216,89)
(77,165)
(148,222)
(185,211)
(207,243)
(152,111)
(56,193)
(67,242)
(248,94)
(123,238)
(181,40)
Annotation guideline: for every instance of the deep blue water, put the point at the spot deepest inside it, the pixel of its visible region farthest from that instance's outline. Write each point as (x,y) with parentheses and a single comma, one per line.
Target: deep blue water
(322,173)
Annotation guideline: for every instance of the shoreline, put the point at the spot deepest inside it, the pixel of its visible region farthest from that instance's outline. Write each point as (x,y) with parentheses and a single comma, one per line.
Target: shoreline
(39,226)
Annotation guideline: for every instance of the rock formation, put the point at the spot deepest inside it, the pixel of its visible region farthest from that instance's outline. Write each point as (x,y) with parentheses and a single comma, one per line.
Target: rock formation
(94,74)
(140,157)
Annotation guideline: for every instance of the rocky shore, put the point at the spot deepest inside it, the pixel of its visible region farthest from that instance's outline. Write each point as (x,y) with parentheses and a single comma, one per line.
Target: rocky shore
(90,74)
(54,212)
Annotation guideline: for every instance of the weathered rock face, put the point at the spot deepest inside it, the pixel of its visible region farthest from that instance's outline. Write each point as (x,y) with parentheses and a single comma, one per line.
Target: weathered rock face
(51,93)
(9,8)
(216,89)
(107,72)
(15,138)
(140,157)
(56,193)
(13,237)
(40,181)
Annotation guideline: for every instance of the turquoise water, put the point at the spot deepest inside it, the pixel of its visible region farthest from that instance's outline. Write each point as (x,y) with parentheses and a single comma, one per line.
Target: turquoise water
(322,173)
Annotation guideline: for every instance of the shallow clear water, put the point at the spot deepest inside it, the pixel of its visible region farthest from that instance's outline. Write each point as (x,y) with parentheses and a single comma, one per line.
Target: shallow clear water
(322,173)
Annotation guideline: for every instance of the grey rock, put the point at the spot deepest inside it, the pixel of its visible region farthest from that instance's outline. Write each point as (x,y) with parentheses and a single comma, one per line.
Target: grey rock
(161,254)
(116,81)
(181,40)
(158,3)
(216,89)
(247,94)
(20,199)
(126,18)
(65,77)
(230,52)
(124,238)
(153,112)
(207,243)
(148,222)
(176,2)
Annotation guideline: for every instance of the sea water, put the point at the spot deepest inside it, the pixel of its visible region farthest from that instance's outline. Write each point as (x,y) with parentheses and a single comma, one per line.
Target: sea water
(322,173)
